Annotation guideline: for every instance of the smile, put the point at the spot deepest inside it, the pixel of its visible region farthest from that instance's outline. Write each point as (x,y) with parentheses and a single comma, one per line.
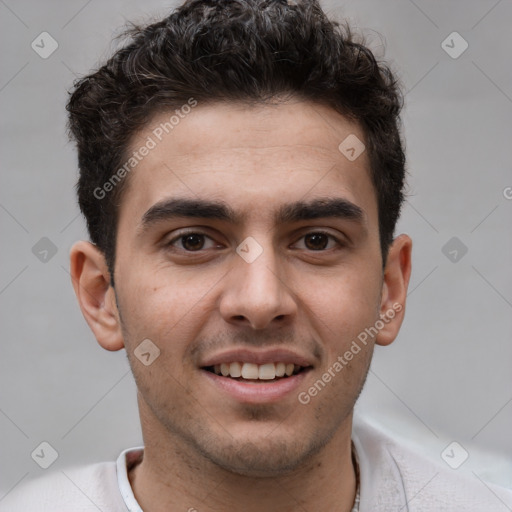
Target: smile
(254,372)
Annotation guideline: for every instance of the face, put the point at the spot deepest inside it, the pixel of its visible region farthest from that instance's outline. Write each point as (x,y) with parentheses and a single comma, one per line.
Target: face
(248,246)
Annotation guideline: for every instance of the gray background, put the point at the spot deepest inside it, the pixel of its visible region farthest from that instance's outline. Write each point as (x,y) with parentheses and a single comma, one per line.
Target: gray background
(447,376)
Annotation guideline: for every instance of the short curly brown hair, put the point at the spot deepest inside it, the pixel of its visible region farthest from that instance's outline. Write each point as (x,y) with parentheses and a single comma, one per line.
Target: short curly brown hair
(227,50)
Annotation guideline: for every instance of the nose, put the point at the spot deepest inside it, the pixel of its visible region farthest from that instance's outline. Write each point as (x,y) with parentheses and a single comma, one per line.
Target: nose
(258,293)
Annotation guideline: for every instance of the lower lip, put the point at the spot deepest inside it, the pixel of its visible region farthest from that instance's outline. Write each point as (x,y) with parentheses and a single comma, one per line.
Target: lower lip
(257,393)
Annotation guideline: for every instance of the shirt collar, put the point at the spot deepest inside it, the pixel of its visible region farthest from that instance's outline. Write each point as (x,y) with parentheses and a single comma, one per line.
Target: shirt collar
(133,456)
(126,460)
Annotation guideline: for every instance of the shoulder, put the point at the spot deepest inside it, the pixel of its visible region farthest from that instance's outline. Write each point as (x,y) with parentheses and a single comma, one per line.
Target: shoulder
(396,475)
(87,488)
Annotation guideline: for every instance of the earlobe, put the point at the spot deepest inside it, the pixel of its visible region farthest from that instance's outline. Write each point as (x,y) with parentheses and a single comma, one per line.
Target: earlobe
(91,282)
(394,289)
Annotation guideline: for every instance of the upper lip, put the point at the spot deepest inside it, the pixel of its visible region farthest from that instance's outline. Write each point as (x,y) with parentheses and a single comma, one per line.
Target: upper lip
(241,355)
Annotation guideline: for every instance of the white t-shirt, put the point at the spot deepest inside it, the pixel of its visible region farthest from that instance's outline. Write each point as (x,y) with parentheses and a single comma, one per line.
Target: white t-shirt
(393,478)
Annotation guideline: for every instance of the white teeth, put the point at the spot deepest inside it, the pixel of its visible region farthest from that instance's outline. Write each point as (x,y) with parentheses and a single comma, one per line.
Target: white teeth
(235,370)
(280,369)
(251,371)
(267,371)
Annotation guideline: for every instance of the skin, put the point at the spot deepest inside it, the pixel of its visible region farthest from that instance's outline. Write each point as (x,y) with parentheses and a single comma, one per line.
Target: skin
(203,448)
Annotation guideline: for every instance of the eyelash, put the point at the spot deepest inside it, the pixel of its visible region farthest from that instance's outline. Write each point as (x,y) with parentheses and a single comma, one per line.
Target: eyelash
(315,232)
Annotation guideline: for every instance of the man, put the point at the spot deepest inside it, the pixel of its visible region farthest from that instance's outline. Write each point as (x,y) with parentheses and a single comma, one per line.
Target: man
(241,174)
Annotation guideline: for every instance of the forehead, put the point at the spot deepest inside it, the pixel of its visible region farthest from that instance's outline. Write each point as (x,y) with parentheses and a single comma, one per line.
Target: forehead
(248,156)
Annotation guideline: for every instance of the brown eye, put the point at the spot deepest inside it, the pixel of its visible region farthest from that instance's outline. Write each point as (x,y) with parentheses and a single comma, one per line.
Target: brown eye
(316,241)
(320,241)
(192,242)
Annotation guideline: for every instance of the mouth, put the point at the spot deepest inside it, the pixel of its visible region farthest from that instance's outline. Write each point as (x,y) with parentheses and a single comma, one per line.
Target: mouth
(257,376)
(252,383)
(257,373)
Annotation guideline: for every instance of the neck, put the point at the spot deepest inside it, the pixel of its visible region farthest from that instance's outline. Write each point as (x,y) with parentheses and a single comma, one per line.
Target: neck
(174,477)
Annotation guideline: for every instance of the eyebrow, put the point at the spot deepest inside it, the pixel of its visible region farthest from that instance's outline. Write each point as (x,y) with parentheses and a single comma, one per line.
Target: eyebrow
(330,207)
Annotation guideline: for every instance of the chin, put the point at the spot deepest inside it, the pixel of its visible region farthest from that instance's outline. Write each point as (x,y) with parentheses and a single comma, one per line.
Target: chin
(263,458)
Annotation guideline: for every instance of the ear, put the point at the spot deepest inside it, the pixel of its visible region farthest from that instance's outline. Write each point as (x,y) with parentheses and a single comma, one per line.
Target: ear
(91,281)
(394,289)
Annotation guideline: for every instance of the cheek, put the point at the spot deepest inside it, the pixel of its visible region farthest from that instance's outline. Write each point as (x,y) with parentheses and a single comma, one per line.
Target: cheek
(343,304)
(157,303)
